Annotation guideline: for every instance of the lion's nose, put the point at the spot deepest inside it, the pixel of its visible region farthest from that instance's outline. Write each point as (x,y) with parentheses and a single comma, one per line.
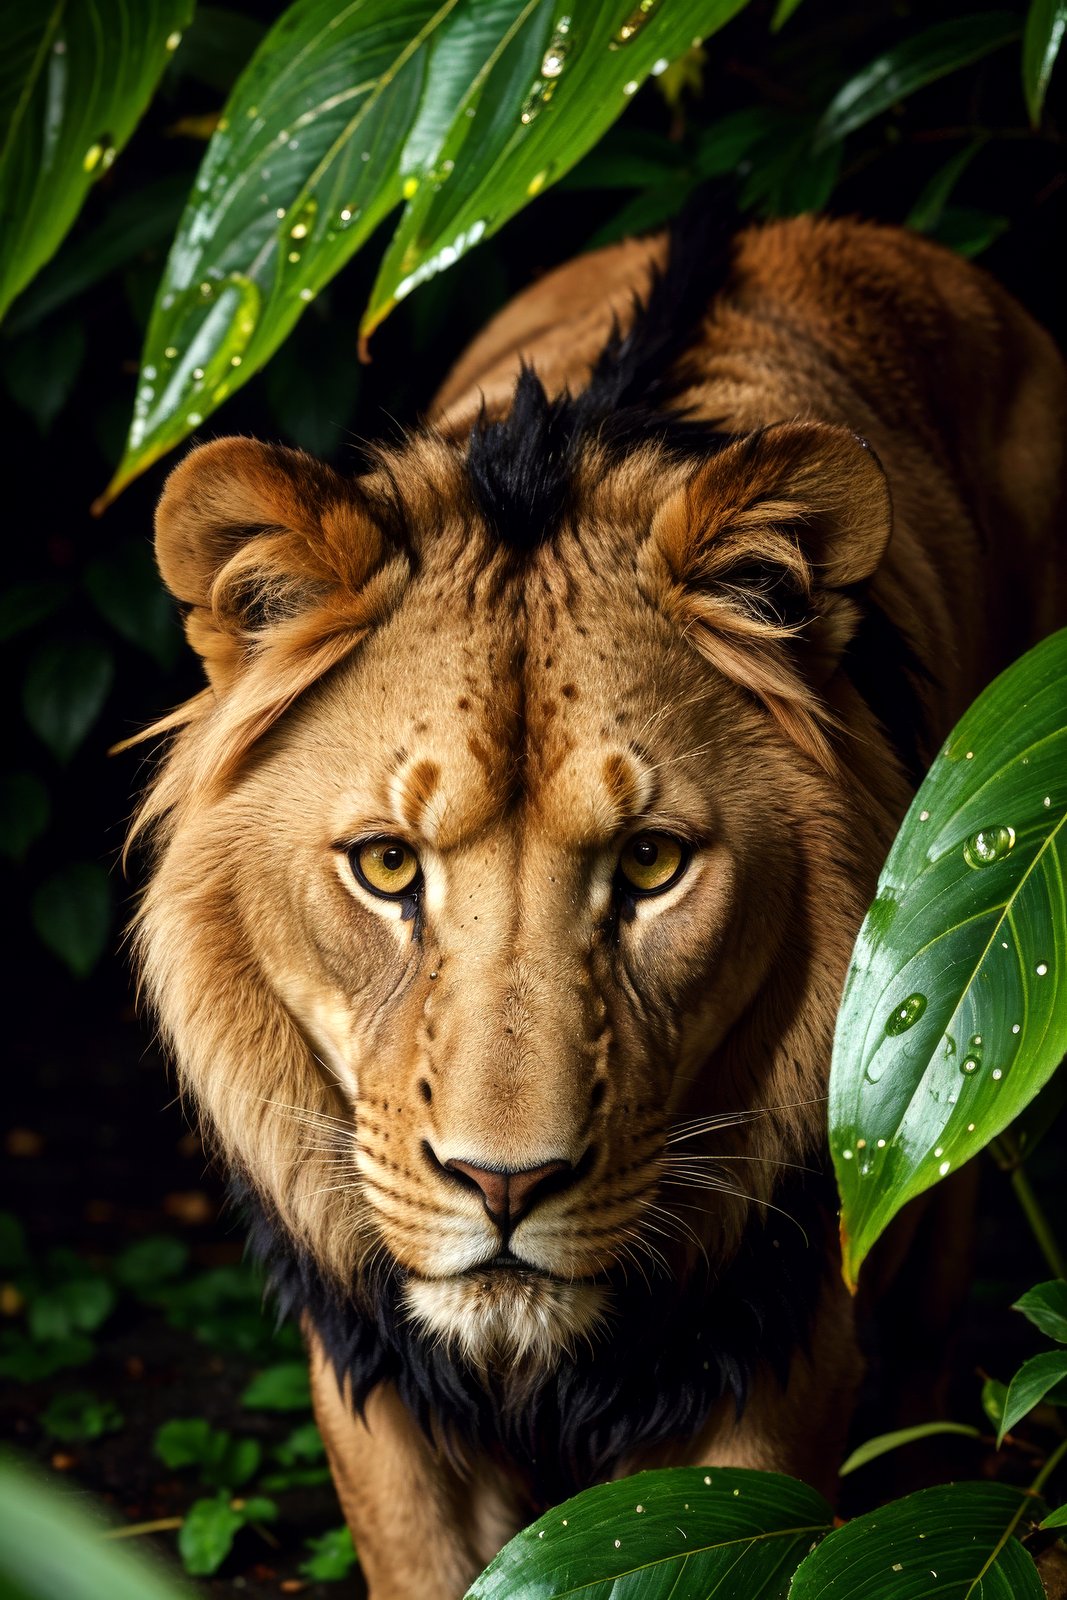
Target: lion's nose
(509,1194)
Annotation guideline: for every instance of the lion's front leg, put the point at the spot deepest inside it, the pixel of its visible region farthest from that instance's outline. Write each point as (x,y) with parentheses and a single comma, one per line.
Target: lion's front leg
(423,1531)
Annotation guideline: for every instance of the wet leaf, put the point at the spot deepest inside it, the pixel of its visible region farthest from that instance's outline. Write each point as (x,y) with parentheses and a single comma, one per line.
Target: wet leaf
(1034,1380)
(80,1415)
(929,207)
(72,915)
(725,1530)
(1046,24)
(959,1534)
(183,1442)
(22,605)
(79,1306)
(24,812)
(206,1536)
(464,109)
(954,1012)
(223,1462)
(333,1556)
(1046,1307)
(994,1394)
(64,692)
(1056,1519)
(216,47)
(85,73)
(285,1387)
(911,65)
(880,1446)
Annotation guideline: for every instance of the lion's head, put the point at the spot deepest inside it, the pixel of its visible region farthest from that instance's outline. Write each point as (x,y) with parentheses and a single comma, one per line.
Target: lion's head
(508,867)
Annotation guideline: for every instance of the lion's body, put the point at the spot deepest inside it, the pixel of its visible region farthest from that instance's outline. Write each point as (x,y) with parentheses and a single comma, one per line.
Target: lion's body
(509,649)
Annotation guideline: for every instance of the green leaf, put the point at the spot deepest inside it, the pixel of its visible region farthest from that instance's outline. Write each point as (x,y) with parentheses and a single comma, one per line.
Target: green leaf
(183,1442)
(27,1360)
(1030,1385)
(1046,1307)
(24,604)
(128,591)
(303,1444)
(313,385)
(884,1442)
(954,1012)
(958,1533)
(727,1526)
(80,1415)
(71,912)
(206,1536)
(333,1556)
(257,1508)
(969,230)
(994,1394)
(64,692)
(216,47)
(78,1306)
(24,812)
(928,209)
(50,1546)
(1046,24)
(282,1388)
(151,1261)
(14,1249)
(464,108)
(910,66)
(1056,1519)
(782,13)
(134,224)
(85,72)
(40,371)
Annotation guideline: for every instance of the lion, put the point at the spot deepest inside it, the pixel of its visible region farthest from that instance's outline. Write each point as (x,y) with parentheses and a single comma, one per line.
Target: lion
(507,869)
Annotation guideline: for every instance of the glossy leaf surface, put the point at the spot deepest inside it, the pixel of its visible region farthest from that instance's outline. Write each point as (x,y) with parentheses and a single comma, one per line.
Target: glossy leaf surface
(1034,1380)
(77,76)
(919,59)
(465,109)
(1045,1305)
(955,1009)
(881,1445)
(1046,25)
(680,1532)
(955,1541)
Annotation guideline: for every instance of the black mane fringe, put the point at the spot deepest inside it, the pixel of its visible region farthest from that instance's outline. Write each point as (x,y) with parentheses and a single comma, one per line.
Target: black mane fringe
(663,1360)
(520,467)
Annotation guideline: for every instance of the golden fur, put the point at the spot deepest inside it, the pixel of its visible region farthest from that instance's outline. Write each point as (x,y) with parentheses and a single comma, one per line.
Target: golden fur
(379,664)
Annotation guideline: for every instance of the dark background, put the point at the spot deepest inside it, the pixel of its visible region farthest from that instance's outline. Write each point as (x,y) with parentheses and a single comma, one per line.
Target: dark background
(98,1153)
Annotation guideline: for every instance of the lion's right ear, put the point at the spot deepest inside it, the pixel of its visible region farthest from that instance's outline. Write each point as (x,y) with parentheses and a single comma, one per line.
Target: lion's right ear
(252,538)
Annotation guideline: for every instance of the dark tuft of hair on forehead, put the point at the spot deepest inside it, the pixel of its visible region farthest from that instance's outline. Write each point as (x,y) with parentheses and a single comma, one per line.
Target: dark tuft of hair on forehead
(520,467)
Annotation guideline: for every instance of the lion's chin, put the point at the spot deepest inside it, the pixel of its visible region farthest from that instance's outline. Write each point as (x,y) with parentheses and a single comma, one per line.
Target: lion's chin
(499,1318)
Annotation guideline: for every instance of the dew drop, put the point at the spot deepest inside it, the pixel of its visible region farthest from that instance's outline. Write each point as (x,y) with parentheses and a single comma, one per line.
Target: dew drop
(924,816)
(555,57)
(1016,1027)
(990,844)
(970,755)
(235,361)
(535,102)
(938,1150)
(307,294)
(171,351)
(943,1168)
(997,1074)
(618,1544)
(198,374)
(659,67)
(634,23)
(861,1144)
(91,158)
(970,1127)
(536,183)
(906,1015)
(707,1481)
(1047,801)
(881,1144)
(410,189)
(631,87)
(969,1065)
(194,418)
(173,40)
(1041,968)
(846,1155)
(280,213)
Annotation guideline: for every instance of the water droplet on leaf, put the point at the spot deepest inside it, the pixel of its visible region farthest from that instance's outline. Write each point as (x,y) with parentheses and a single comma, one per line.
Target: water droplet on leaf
(906,1014)
(1041,968)
(990,844)
(634,23)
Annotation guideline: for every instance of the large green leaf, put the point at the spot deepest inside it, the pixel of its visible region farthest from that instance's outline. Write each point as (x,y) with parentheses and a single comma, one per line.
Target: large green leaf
(911,65)
(955,1008)
(1034,1380)
(75,79)
(1045,1306)
(464,108)
(1046,24)
(955,1541)
(682,1532)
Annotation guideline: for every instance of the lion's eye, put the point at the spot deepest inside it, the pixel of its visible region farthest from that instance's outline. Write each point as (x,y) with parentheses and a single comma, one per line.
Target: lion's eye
(652,861)
(387,867)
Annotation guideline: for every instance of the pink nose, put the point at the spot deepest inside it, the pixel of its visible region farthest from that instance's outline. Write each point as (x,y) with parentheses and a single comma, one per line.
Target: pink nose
(509,1195)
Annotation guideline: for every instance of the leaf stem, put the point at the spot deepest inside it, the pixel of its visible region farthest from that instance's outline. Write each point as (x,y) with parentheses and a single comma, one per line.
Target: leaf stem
(1049,1468)
(1040,1226)
(132,1529)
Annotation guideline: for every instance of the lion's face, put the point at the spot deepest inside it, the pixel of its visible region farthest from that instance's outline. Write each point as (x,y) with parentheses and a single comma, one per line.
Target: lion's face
(517,886)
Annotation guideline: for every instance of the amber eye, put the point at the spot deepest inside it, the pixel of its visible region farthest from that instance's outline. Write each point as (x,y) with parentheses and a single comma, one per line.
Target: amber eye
(388,867)
(652,861)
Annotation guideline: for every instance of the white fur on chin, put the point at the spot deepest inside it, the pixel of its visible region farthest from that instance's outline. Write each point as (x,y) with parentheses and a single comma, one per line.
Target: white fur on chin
(494,1318)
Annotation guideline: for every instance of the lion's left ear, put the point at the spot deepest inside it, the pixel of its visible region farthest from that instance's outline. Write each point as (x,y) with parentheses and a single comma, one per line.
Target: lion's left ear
(766,538)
